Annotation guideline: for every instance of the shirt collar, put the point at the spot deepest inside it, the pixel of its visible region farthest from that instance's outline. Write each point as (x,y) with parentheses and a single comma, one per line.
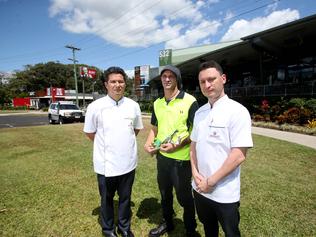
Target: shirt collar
(114,102)
(219,101)
(179,96)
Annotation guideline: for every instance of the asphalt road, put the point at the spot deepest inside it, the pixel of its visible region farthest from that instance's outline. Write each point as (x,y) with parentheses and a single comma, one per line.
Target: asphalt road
(23,120)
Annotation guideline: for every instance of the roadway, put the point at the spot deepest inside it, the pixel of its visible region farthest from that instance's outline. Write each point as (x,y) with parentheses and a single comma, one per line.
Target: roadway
(23,120)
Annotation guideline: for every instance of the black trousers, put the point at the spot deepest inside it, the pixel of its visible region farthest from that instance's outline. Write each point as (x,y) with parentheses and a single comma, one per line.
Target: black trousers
(176,174)
(211,212)
(107,188)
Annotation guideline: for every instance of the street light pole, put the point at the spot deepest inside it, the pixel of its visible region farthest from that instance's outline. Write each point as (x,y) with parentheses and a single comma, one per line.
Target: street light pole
(75,73)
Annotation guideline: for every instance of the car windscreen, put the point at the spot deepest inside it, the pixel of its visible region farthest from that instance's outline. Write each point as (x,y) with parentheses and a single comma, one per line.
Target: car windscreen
(68,106)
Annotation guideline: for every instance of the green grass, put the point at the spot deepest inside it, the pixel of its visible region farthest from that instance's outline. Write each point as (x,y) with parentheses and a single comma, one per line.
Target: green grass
(48,187)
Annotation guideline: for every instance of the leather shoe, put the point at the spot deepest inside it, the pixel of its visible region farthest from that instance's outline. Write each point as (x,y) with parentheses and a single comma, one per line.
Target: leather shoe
(109,234)
(128,233)
(160,230)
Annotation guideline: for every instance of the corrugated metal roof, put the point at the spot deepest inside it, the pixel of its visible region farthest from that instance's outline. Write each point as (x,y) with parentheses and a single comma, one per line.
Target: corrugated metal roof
(182,55)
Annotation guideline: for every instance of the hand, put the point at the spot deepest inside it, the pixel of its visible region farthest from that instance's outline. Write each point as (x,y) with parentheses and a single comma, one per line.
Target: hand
(168,147)
(197,177)
(206,185)
(150,148)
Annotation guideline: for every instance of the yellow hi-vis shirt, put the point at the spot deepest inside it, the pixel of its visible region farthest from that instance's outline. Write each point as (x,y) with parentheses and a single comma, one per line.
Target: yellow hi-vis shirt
(176,114)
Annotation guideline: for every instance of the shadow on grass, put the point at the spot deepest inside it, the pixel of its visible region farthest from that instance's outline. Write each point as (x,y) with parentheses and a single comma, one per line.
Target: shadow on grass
(149,209)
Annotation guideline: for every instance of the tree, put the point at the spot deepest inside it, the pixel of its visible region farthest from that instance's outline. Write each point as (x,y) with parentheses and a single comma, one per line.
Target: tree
(44,75)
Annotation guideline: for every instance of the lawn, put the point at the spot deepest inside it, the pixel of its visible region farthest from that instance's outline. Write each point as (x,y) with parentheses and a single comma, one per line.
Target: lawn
(48,187)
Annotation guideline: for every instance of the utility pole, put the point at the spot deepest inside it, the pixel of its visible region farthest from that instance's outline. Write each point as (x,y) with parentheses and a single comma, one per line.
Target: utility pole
(75,73)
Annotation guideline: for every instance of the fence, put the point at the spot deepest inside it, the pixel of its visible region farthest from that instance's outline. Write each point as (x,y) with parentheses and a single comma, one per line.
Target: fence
(293,89)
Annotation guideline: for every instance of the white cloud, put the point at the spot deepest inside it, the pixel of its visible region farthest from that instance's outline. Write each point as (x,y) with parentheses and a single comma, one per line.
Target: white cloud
(241,28)
(136,23)
(193,35)
(272,7)
(229,15)
(130,73)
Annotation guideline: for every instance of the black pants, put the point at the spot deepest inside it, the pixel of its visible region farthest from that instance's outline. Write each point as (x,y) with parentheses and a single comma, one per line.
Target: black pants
(107,188)
(176,174)
(211,212)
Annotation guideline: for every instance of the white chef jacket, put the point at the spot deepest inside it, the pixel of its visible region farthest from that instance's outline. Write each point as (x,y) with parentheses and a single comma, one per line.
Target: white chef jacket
(113,122)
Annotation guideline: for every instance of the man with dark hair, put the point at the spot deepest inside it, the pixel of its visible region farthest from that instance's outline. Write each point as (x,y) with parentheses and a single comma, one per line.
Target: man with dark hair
(172,120)
(112,123)
(220,138)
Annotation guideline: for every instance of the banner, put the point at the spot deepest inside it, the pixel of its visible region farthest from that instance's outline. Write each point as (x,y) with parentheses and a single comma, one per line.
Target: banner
(88,72)
(144,75)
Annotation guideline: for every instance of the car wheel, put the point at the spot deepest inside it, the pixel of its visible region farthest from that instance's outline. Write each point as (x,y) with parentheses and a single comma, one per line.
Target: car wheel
(50,120)
(61,121)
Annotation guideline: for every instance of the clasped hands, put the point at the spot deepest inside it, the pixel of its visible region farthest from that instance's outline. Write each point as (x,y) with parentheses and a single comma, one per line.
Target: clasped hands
(203,184)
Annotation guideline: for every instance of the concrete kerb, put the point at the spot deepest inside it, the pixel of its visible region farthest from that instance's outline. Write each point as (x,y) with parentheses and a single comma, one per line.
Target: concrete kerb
(302,139)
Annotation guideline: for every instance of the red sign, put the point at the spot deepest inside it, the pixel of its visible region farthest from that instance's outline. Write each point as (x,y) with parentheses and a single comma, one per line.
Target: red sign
(53,92)
(88,72)
(17,102)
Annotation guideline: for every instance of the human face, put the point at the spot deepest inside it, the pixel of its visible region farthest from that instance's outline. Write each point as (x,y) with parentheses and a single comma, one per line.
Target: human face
(168,80)
(115,86)
(212,84)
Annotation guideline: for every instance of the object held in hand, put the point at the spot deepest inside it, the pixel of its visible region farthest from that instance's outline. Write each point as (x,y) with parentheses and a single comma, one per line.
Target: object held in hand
(157,143)
(169,138)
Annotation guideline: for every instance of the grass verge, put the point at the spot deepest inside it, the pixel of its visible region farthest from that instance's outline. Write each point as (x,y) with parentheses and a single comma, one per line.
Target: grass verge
(48,187)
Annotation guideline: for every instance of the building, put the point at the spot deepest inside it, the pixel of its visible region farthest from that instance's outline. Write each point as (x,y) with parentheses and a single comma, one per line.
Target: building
(42,99)
(278,62)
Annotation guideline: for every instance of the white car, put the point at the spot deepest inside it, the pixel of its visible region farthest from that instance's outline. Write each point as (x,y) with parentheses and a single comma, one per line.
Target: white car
(65,111)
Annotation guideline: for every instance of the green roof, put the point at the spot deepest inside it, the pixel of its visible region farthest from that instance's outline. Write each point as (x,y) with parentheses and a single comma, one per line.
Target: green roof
(182,55)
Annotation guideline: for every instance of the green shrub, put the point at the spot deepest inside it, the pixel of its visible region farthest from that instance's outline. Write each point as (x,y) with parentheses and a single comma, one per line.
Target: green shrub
(297,102)
(311,104)
(146,106)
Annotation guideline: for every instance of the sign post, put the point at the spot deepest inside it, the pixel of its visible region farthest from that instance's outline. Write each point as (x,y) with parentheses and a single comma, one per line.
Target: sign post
(86,72)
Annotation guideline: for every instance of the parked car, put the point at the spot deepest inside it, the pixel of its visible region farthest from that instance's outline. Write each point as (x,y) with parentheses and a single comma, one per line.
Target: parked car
(65,111)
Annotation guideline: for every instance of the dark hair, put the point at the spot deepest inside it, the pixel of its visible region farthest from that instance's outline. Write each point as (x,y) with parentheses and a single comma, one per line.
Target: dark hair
(113,70)
(211,64)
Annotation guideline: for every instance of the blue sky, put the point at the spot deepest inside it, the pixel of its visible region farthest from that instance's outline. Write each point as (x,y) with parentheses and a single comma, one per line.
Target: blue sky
(129,33)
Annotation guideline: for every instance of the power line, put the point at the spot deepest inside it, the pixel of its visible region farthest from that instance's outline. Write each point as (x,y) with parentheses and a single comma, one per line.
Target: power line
(113,21)
(139,50)
(136,31)
(143,27)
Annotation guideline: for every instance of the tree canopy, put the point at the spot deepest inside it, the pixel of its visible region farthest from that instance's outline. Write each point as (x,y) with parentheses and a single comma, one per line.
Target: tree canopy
(51,74)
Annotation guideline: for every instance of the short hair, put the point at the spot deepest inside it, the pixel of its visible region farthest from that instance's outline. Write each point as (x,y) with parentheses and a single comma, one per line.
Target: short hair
(211,64)
(113,70)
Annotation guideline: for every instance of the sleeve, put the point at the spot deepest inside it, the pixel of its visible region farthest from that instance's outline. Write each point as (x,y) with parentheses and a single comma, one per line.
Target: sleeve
(138,123)
(90,124)
(240,129)
(153,120)
(193,135)
(193,108)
